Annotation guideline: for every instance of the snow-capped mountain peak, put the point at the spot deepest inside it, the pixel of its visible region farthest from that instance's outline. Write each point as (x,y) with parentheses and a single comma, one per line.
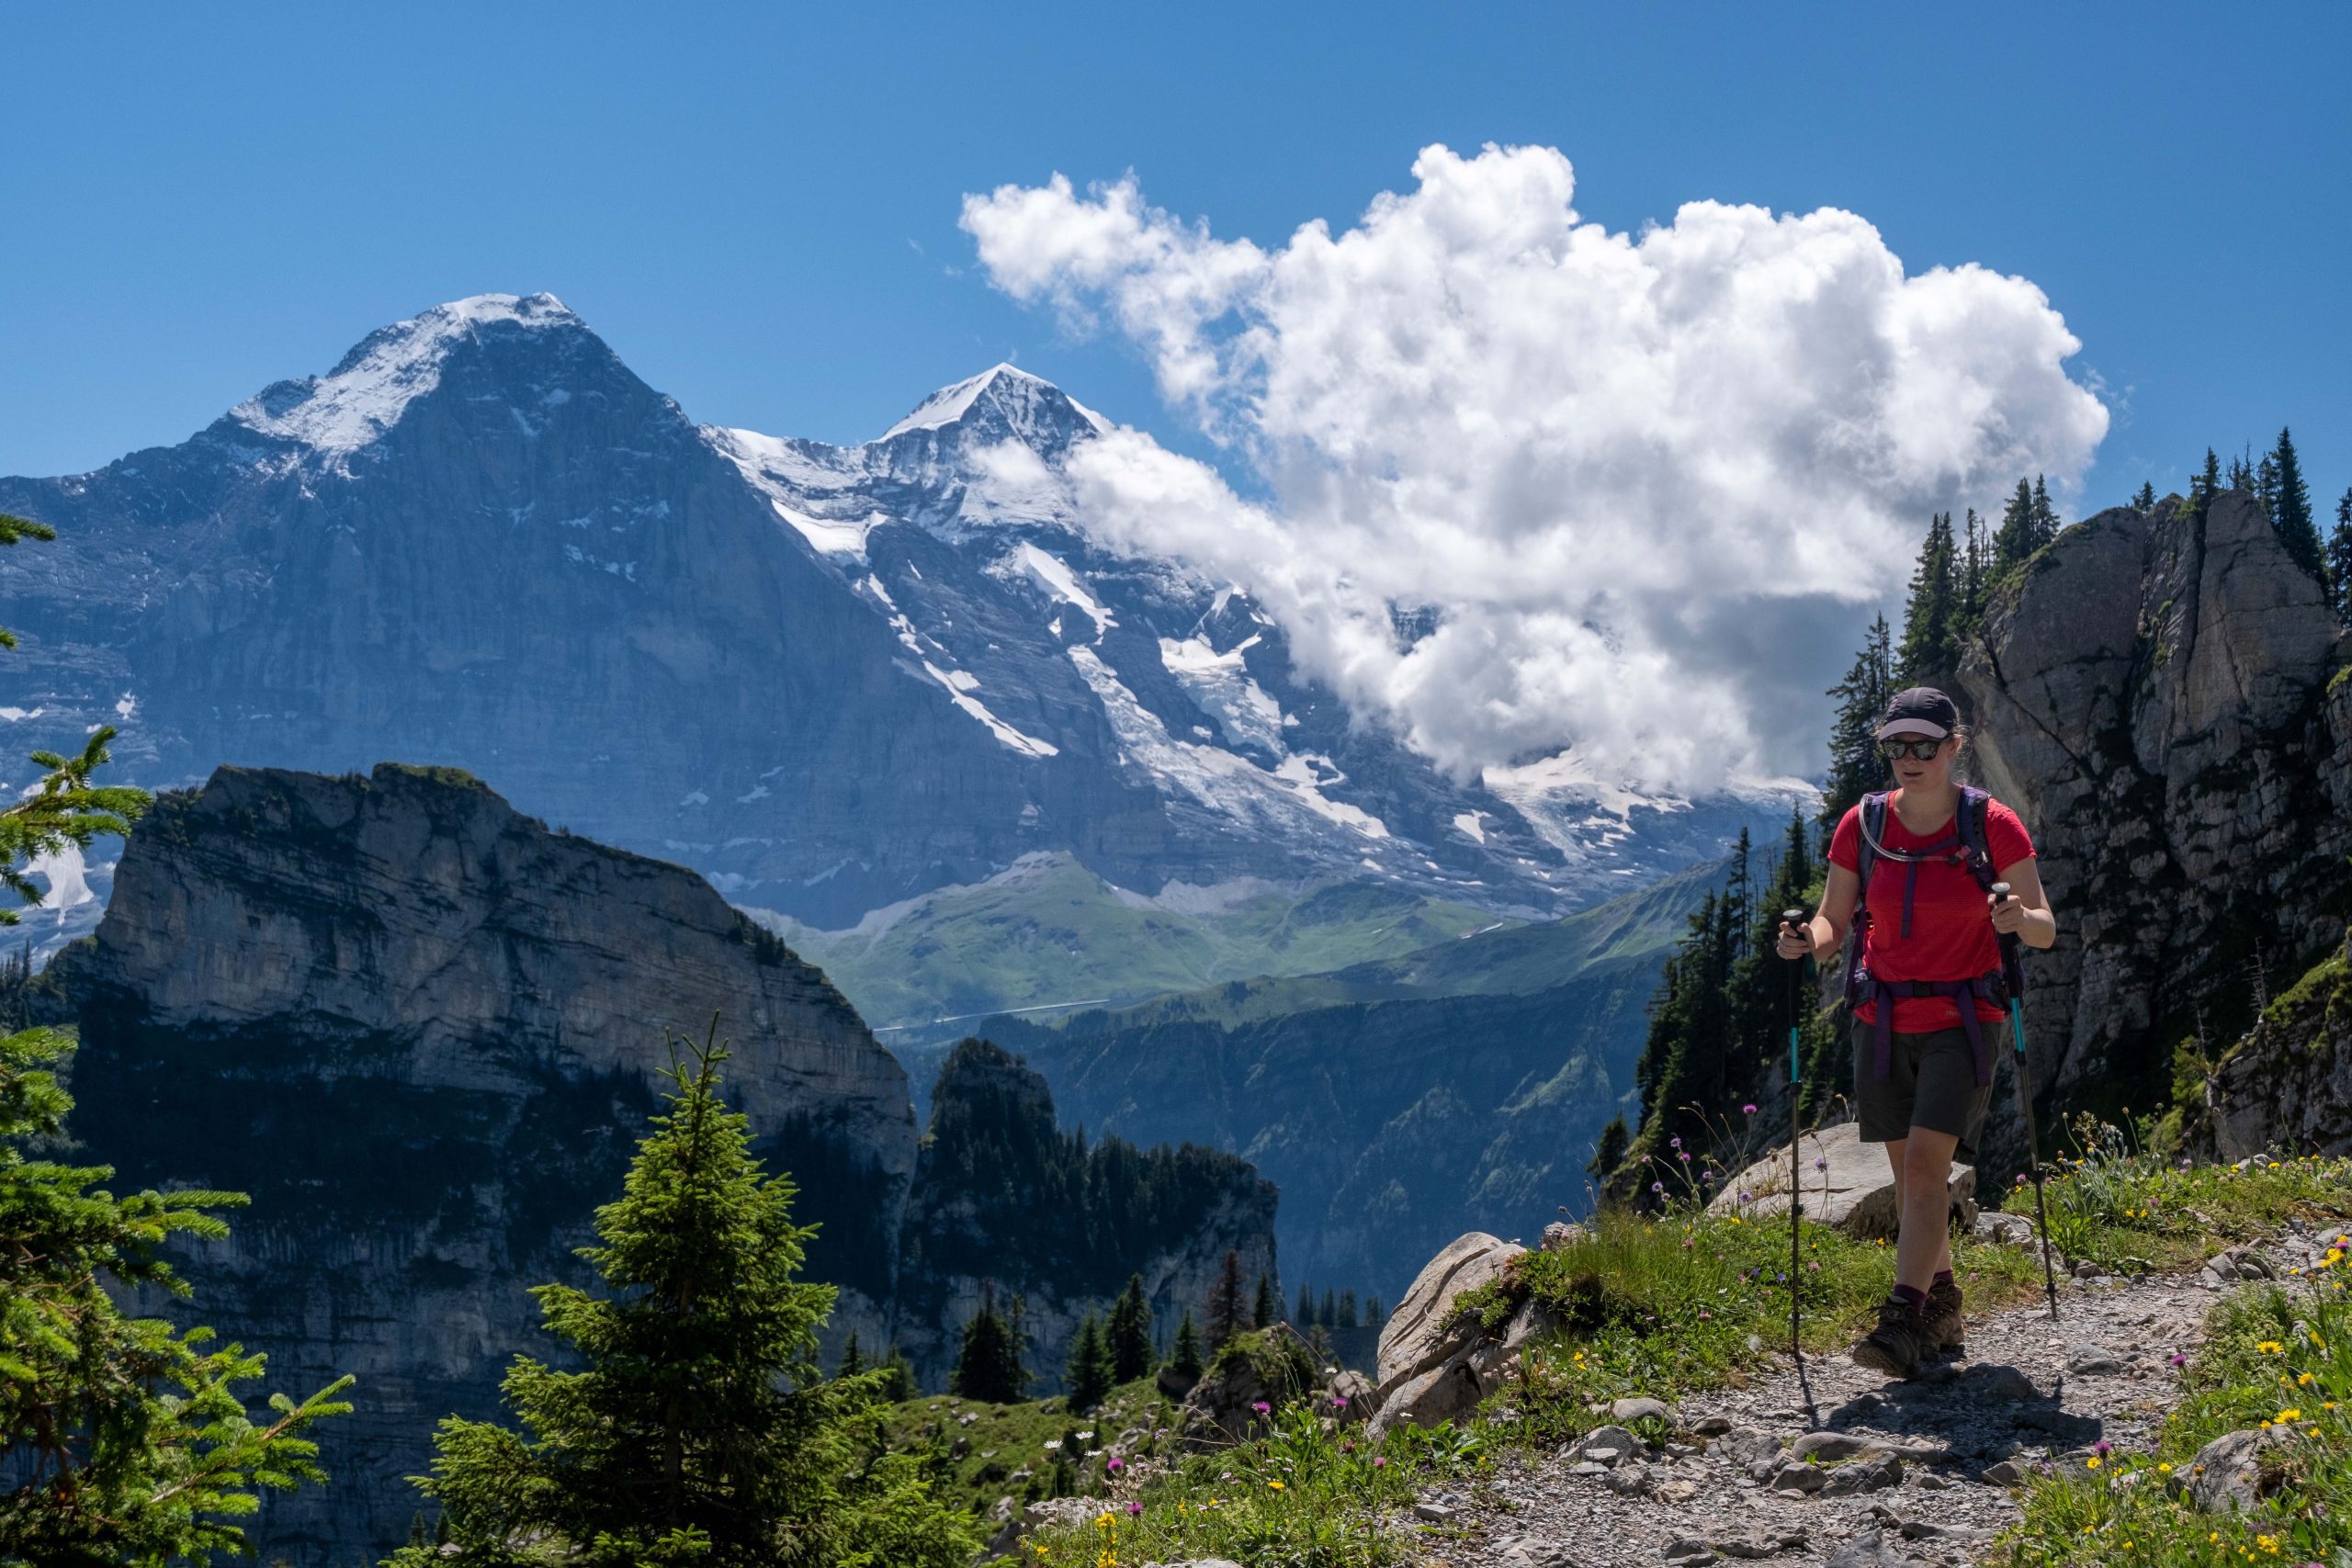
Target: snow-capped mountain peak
(1025,405)
(364,395)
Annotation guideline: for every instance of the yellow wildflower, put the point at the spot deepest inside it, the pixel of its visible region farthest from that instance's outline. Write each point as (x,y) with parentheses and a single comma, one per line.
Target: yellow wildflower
(1275,1485)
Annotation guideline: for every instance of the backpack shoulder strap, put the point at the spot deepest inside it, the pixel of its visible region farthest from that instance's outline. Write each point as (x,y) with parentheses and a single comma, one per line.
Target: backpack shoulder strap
(1975,809)
(1873,826)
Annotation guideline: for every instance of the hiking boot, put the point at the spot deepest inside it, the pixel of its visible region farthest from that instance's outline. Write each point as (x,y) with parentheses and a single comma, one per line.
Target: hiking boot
(1893,1346)
(1941,1328)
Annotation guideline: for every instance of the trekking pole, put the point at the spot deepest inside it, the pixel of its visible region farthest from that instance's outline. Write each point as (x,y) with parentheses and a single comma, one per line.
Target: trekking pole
(1795,917)
(2025,1097)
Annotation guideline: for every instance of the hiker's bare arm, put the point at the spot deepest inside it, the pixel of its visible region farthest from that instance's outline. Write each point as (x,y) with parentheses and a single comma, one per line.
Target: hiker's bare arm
(2026,914)
(1823,934)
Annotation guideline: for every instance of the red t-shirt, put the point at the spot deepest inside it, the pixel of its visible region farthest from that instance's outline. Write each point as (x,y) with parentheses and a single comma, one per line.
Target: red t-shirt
(1952,931)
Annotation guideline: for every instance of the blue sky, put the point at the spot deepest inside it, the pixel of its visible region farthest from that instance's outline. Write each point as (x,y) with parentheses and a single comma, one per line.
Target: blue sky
(757,207)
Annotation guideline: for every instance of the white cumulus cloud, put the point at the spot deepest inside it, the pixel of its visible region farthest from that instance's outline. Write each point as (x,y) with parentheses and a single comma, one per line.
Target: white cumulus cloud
(1644,483)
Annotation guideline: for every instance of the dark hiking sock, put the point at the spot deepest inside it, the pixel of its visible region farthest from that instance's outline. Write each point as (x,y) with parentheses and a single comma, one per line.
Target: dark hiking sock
(1910,1296)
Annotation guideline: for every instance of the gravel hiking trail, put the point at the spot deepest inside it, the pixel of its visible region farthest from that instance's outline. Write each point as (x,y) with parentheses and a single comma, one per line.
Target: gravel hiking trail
(1898,1472)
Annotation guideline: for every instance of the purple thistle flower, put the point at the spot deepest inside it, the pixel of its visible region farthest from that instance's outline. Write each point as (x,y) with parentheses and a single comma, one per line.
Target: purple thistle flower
(1684,1157)
(1747,1109)
(1114,1464)
(1658,1186)
(1820,1163)
(2178,1360)
(1262,1409)
(2103,1447)
(1674,1142)
(1747,1197)
(1134,1508)
(1339,1402)
(1380,1462)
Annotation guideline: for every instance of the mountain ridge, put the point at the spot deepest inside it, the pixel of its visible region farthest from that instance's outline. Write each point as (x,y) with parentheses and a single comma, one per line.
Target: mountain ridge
(830,678)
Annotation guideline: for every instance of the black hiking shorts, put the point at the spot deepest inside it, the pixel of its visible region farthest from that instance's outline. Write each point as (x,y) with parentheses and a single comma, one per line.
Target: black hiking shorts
(1931,1082)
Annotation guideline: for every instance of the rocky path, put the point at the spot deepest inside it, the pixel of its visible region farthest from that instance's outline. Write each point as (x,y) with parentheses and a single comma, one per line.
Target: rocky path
(1899,1472)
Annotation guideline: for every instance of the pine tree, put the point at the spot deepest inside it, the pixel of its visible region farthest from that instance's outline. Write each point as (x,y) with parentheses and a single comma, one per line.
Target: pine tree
(1016,1332)
(698,1425)
(1736,894)
(1305,1313)
(2205,485)
(2241,475)
(1089,1373)
(1855,765)
(897,1375)
(852,1363)
(1347,1318)
(2013,540)
(1975,574)
(987,1367)
(2339,561)
(2146,499)
(1263,1313)
(1931,618)
(1227,1315)
(2290,509)
(1185,1361)
(1329,1311)
(1610,1152)
(1374,1314)
(1129,1333)
(2045,515)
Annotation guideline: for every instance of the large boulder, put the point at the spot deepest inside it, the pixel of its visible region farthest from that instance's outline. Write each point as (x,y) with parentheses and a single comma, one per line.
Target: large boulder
(1429,1372)
(1415,1338)
(1847,1183)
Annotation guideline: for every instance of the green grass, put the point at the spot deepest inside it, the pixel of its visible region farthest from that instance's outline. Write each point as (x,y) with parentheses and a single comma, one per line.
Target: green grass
(1036,1435)
(2276,1358)
(1668,1306)
(1312,1494)
(1517,960)
(1672,1306)
(1047,932)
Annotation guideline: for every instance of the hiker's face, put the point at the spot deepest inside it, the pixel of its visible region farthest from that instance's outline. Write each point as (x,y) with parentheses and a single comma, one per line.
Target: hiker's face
(1933,772)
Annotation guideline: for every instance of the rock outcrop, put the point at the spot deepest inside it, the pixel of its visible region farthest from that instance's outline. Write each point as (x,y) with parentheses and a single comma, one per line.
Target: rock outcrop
(2288,1082)
(2153,696)
(425,1033)
(1431,1370)
(421,1032)
(1847,1183)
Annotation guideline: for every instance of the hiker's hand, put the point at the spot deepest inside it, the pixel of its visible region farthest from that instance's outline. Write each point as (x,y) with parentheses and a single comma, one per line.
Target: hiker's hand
(1796,942)
(2008,914)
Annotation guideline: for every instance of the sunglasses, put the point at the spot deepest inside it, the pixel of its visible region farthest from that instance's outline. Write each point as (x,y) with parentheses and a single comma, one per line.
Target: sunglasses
(1918,750)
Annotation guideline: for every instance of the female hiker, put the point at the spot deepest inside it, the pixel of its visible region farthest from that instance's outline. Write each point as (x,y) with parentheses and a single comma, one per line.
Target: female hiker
(1927,989)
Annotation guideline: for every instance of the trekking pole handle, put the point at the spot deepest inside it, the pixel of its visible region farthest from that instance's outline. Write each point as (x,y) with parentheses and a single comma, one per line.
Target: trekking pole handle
(1796,919)
(2001,895)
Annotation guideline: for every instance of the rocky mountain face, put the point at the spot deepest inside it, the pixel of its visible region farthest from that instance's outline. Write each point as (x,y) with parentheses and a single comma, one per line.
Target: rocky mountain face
(830,678)
(425,1032)
(2161,696)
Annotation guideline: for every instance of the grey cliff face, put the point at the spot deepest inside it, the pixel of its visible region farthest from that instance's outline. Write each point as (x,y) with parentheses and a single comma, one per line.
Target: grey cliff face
(425,1033)
(2152,698)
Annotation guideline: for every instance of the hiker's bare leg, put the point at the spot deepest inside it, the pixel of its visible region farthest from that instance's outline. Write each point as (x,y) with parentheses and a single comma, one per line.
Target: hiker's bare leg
(1923,1189)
